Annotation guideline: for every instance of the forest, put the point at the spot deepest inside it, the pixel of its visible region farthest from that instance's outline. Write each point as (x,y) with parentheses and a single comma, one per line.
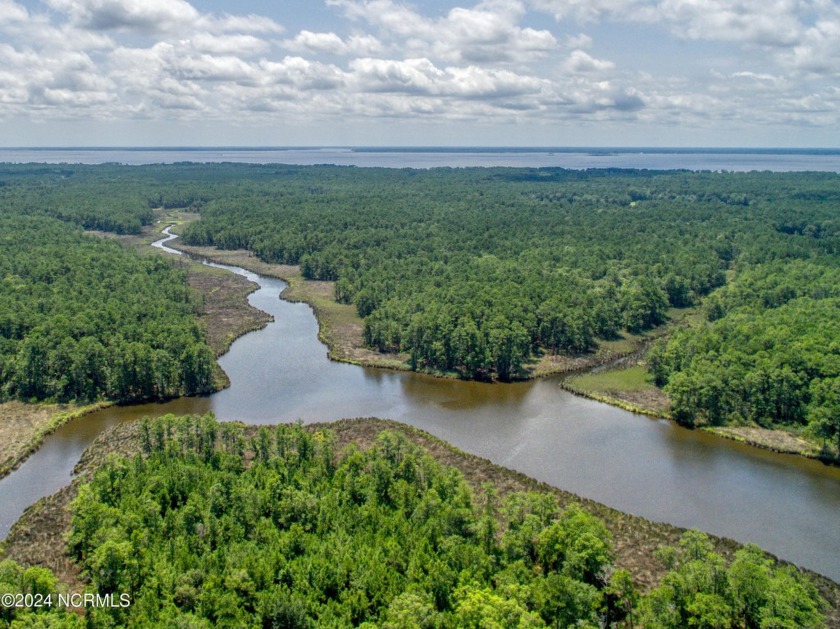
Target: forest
(205,527)
(467,272)
(770,352)
(479,272)
(84,318)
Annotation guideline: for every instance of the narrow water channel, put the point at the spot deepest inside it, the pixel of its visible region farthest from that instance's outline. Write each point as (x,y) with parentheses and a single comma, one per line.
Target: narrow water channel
(651,468)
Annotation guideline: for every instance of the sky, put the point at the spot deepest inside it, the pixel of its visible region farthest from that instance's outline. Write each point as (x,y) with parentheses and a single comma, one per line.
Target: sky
(721,73)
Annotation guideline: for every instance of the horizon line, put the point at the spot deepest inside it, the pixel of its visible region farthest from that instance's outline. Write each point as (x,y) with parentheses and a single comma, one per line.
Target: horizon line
(417,148)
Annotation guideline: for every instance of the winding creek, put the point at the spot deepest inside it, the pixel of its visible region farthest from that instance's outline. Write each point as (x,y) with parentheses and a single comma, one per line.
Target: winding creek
(648,467)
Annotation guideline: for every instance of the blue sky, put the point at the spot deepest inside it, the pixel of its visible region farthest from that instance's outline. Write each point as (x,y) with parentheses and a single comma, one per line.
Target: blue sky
(387,72)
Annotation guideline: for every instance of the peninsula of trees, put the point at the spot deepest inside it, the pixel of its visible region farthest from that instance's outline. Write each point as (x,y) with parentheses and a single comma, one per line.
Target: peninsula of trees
(206,527)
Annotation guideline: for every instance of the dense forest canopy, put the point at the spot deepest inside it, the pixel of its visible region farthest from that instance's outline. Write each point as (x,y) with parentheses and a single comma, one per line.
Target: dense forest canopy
(208,528)
(83,318)
(479,271)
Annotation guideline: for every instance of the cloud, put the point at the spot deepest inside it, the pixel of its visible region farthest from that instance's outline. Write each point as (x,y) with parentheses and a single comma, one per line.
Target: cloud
(38,33)
(240,45)
(773,62)
(143,16)
(11,11)
(764,22)
(302,74)
(332,44)
(239,24)
(590,10)
(211,68)
(581,40)
(421,76)
(69,83)
(818,52)
(329,43)
(758,22)
(579,62)
(487,33)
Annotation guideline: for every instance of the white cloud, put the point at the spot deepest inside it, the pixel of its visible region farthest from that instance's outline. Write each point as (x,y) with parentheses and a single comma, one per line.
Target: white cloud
(211,68)
(329,43)
(581,41)
(11,11)
(332,44)
(421,76)
(589,10)
(818,51)
(758,22)
(74,98)
(765,22)
(37,32)
(579,61)
(302,74)
(69,82)
(143,16)
(244,45)
(239,24)
(487,33)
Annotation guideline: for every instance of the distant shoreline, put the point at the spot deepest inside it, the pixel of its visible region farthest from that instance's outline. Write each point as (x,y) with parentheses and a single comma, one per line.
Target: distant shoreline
(651,159)
(744,150)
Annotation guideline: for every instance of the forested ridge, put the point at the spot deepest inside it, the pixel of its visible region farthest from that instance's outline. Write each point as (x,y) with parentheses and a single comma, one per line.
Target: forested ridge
(206,527)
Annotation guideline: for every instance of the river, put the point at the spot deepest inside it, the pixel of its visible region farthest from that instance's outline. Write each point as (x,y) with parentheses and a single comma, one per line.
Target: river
(648,467)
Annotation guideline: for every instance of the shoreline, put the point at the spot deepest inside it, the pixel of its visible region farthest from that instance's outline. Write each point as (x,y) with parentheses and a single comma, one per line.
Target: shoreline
(220,344)
(53,423)
(569,367)
(37,535)
(780,441)
(614,401)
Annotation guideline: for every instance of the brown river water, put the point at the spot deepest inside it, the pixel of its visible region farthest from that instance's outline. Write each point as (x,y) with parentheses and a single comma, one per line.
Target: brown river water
(651,468)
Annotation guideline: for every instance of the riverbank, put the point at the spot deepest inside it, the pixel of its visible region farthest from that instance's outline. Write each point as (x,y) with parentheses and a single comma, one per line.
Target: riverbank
(23,428)
(38,537)
(341,329)
(614,374)
(224,311)
(629,387)
(781,441)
